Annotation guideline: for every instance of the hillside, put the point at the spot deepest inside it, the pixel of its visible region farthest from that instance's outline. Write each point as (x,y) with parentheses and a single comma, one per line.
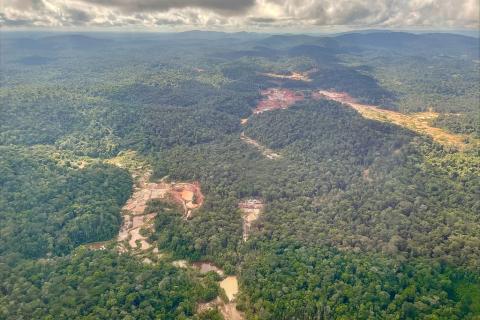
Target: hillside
(217,175)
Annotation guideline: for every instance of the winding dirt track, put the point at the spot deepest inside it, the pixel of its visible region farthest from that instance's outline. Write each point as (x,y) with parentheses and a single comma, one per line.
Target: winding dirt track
(269,153)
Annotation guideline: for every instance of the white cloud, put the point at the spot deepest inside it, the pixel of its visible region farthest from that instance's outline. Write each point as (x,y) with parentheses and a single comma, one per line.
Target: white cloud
(242,14)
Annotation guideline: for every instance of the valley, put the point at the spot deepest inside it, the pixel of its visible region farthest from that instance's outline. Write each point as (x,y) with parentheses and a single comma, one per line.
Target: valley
(138,225)
(239,176)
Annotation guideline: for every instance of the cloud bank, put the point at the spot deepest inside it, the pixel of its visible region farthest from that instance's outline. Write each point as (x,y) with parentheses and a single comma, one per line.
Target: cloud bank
(240,14)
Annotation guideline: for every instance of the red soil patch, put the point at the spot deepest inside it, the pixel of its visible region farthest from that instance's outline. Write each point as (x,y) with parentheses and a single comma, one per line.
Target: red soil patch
(188,195)
(277,98)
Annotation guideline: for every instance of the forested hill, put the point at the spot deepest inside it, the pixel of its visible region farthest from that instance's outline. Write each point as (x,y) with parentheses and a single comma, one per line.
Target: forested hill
(359,219)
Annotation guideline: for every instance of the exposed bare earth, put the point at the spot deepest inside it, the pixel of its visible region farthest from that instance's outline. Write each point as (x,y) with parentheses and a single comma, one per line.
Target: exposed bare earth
(188,195)
(137,224)
(136,221)
(277,98)
(295,75)
(228,310)
(229,284)
(251,209)
(205,266)
(419,122)
(135,218)
(280,98)
(269,153)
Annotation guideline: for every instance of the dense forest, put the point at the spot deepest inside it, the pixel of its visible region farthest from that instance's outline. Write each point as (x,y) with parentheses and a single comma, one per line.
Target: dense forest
(363,219)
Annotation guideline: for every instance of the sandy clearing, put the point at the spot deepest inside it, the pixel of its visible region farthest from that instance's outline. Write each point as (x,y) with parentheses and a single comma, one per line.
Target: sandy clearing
(229,312)
(366,175)
(251,210)
(230,286)
(418,122)
(294,75)
(134,216)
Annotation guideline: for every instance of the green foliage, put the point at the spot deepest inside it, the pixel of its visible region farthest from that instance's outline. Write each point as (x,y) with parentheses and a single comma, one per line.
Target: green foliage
(47,208)
(441,83)
(292,281)
(459,123)
(362,219)
(97,285)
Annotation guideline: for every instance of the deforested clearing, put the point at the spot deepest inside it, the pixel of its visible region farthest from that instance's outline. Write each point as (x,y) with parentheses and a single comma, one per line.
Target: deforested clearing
(277,98)
(294,75)
(230,285)
(135,218)
(419,122)
(251,210)
(188,195)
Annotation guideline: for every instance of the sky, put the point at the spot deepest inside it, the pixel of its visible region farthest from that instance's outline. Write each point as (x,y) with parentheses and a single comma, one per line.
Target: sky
(239,15)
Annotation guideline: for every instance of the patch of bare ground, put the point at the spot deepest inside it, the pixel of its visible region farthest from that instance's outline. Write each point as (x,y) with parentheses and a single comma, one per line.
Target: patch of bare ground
(229,312)
(228,308)
(294,75)
(230,286)
(277,98)
(251,210)
(97,245)
(188,195)
(138,224)
(418,122)
(269,153)
(134,217)
(205,266)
